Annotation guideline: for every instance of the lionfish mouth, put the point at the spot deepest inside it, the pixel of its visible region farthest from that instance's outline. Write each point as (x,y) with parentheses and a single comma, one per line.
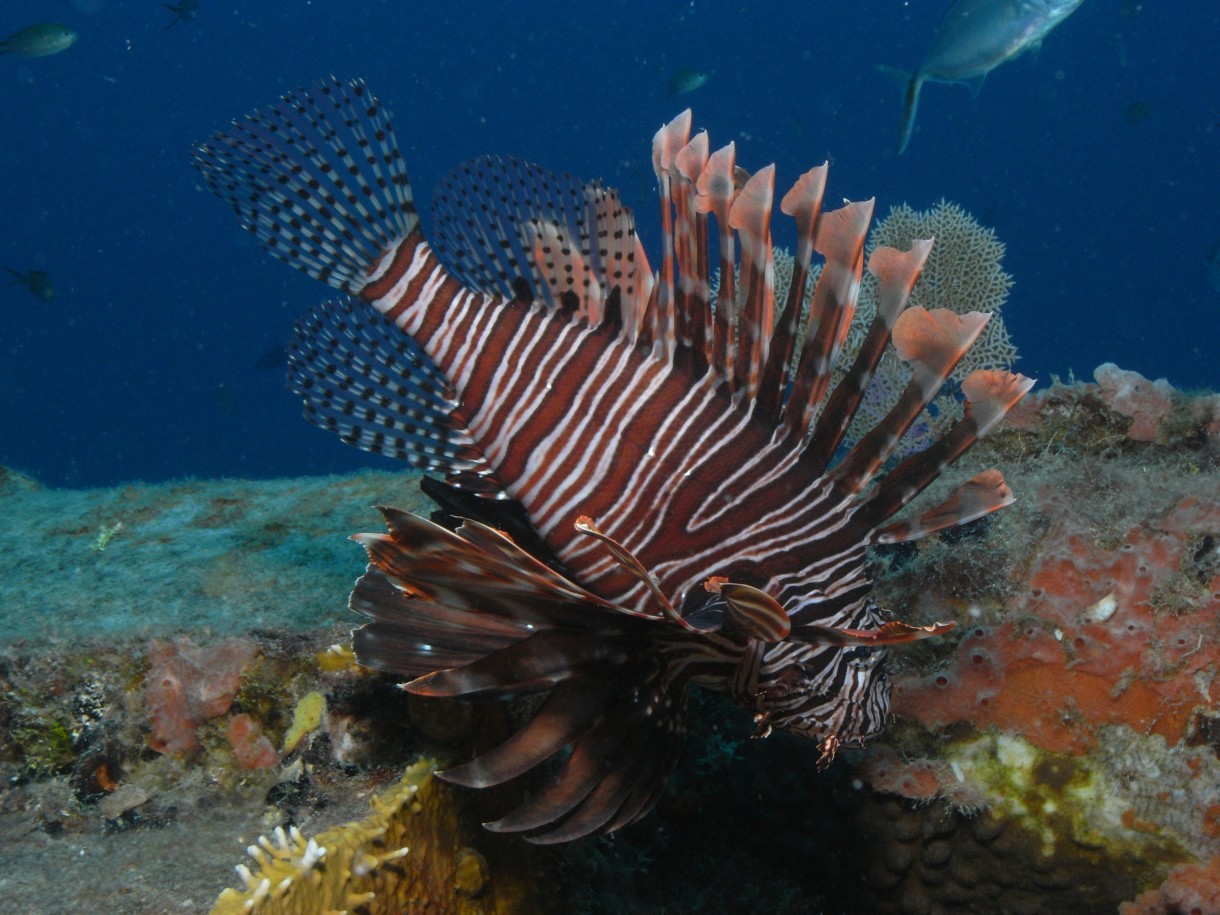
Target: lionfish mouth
(611,440)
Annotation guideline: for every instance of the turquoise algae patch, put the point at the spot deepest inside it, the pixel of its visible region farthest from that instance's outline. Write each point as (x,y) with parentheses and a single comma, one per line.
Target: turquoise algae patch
(228,555)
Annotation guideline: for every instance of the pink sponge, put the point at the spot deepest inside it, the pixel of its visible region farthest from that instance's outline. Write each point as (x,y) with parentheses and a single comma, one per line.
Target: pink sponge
(187,685)
(1131,394)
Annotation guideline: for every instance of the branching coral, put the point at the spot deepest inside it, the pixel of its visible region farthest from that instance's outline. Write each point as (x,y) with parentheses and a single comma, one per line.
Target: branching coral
(407,856)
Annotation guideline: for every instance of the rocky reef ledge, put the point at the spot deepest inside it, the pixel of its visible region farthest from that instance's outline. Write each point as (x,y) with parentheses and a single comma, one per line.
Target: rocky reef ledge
(175,690)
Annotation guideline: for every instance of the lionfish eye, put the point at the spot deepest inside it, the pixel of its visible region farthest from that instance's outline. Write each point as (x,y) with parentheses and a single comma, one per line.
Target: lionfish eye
(859,653)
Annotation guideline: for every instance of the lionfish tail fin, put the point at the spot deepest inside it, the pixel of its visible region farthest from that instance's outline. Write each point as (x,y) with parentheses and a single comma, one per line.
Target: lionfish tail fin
(318,178)
(468,614)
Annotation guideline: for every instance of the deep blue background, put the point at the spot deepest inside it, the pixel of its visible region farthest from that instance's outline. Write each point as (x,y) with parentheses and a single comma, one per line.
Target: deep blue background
(147,365)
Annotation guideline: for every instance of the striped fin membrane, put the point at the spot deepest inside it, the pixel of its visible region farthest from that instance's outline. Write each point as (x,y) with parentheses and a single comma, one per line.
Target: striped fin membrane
(644,487)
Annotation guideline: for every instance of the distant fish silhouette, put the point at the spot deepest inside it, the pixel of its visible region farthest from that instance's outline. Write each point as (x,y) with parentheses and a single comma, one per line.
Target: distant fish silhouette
(41,40)
(975,37)
(273,358)
(37,281)
(184,11)
(1137,112)
(687,79)
(1213,266)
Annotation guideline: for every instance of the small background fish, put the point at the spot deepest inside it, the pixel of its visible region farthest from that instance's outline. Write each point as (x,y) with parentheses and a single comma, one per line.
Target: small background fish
(37,281)
(687,79)
(184,11)
(41,40)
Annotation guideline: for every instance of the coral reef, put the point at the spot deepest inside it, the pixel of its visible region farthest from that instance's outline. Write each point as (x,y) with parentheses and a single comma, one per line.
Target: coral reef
(187,685)
(963,273)
(1190,889)
(99,765)
(1078,700)
(1059,752)
(407,856)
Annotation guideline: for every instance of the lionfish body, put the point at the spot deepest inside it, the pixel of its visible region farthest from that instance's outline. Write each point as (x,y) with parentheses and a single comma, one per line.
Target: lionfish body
(662,506)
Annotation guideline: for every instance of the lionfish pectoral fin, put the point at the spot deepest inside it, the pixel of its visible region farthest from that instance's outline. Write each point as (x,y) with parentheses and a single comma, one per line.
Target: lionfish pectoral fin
(569,711)
(536,663)
(361,378)
(752,612)
(614,774)
(891,633)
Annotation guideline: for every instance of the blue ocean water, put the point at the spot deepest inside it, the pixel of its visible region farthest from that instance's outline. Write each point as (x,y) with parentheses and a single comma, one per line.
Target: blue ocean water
(1096,163)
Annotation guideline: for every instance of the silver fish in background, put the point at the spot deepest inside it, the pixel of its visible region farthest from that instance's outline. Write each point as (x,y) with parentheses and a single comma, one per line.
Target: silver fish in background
(41,40)
(975,37)
(687,79)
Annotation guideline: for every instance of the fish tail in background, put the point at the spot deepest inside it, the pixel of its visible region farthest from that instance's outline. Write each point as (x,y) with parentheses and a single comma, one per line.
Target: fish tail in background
(911,84)
(910,105)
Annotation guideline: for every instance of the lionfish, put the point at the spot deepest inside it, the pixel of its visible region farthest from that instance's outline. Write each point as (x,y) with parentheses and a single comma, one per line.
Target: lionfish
(640,487)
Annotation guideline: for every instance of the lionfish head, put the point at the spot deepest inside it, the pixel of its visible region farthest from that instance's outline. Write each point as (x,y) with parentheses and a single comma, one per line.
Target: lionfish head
(845,713)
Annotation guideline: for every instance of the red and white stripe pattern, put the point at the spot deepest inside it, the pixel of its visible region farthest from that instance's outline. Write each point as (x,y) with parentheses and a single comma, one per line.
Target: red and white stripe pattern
(674,465)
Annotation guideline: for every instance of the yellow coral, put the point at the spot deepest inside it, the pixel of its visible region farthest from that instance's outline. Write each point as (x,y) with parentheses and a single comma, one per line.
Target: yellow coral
(305,719)
(409,855)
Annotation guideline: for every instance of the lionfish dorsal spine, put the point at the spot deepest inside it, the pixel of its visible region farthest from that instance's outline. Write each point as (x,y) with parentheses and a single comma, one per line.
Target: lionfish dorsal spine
(693,310)
(804,204)
(750,217)
(896,272)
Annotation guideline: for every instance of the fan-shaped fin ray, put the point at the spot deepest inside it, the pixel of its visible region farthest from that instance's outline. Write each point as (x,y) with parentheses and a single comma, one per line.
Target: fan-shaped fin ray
(603,803)
(804,204)
(931,342)
(897,272)
(570,710)
(980,495)
(989,396)
(750,216)
(592,758)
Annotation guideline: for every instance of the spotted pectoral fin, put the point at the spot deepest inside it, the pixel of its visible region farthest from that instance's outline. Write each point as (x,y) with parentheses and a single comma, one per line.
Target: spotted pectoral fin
(891,633)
